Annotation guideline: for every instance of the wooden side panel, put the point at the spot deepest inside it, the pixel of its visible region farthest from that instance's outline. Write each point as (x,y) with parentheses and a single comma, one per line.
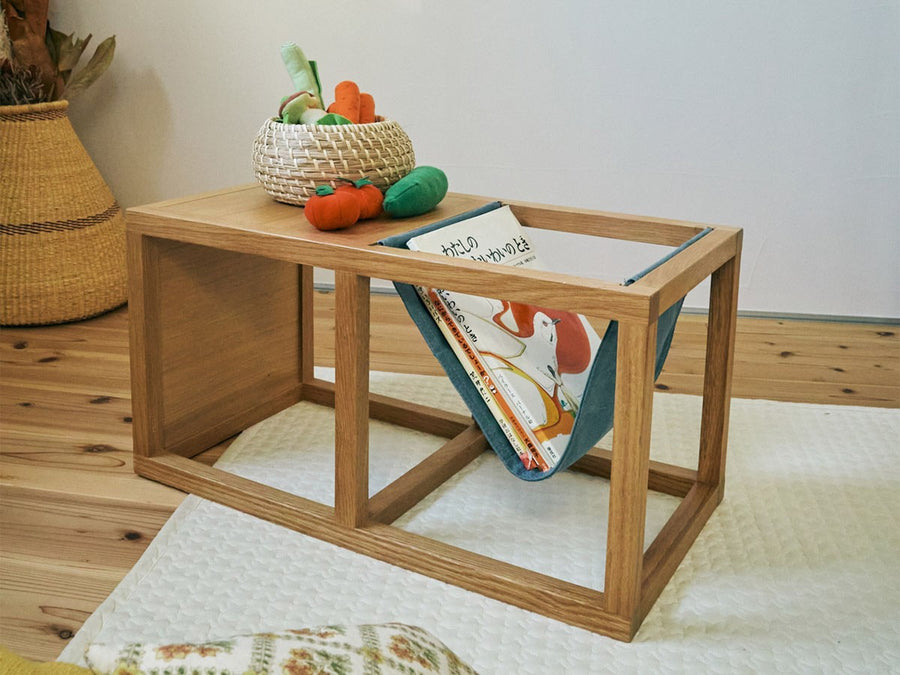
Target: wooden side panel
(228,333)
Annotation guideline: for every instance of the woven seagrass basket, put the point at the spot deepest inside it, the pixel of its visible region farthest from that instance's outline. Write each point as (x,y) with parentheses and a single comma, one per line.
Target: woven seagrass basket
(290,160)
(62,234)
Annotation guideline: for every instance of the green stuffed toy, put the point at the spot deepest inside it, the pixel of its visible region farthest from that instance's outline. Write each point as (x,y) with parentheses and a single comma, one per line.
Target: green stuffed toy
(333,118)
(303,73)
(416,193)
(295,106)
(313,116)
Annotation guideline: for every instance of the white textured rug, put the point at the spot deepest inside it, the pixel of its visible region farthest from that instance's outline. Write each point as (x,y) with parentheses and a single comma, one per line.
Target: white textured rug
(797,571)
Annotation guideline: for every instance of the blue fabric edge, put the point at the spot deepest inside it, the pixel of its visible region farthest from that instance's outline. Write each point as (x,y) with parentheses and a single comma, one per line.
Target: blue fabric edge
(668,256)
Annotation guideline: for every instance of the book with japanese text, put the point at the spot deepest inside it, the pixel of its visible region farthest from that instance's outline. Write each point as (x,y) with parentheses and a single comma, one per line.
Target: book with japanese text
(537,359)
(521,438)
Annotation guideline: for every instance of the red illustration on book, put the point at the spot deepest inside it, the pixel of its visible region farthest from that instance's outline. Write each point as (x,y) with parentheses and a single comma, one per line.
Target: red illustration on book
(557,343)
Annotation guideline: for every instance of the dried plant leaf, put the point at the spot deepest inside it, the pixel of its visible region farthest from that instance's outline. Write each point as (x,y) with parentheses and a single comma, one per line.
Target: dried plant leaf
(53,40)
(51,53)
(85,77)
(70,52)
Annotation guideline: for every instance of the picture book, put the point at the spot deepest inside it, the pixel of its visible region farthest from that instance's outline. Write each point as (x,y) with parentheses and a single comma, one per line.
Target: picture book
(536,358)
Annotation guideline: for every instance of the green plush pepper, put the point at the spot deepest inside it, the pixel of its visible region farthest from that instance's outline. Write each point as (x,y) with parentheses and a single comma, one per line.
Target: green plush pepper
(416,193)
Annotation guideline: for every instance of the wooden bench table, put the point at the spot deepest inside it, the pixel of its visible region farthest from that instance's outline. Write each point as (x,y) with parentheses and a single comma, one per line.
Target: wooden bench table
(221,292)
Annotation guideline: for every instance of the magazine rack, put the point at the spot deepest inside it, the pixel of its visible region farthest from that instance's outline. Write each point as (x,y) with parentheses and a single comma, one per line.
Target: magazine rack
(221,293)
(595,413)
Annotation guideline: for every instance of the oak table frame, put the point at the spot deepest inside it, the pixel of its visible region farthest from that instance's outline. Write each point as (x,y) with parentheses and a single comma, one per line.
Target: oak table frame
(221,336)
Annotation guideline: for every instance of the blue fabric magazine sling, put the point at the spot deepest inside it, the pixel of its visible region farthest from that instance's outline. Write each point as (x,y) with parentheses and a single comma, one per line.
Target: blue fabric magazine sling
(594,417)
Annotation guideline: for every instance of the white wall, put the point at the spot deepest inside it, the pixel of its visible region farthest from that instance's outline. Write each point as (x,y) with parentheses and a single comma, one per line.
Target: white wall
(780,116)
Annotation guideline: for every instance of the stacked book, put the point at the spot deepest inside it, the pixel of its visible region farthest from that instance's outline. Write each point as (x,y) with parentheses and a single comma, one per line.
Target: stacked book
(530,364)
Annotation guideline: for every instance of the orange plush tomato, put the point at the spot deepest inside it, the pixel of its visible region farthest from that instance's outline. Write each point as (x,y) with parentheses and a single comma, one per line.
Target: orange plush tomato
(331,209)
(369,197)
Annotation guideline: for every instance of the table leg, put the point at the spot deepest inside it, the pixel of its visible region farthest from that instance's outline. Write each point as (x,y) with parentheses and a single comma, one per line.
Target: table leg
(630,468)
(307,324)
(145,345)
(351,399)
(717,379)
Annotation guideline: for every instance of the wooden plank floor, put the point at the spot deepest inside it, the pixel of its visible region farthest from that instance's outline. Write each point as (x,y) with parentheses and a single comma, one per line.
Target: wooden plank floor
(75,518)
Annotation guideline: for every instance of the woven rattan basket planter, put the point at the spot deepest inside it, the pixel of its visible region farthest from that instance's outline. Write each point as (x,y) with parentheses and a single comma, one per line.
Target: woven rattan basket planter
(62,234)
(290,160)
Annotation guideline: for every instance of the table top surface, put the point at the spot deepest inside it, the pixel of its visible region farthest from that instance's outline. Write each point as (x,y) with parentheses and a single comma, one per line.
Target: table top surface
(250,209)
(246,219)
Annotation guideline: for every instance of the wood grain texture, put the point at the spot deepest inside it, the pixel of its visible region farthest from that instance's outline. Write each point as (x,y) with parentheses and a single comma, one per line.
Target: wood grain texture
(145,343)
(629,473)
(413,486)
(306,316)
(604,224)
(718,375)
(351,400)
(218,308)
(661,477)
(84,531)
(248,222)
(44,603)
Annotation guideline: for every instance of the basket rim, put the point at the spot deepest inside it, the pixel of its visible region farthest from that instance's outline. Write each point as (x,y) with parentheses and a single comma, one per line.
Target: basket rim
(27,108)
(368,126)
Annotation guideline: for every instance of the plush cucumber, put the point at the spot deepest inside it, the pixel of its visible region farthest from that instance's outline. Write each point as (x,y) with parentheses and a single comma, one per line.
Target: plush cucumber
(416,193)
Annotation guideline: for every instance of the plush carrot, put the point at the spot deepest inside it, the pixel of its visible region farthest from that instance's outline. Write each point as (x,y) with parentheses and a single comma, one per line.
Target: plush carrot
(346,101)
(366,108)
(364,191)
(331,210)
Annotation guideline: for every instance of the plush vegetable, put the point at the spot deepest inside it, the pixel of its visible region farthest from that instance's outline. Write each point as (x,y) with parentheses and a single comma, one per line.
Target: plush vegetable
(294,106)
(366,108)
(303,73)
(331,210)
(346,101)
(364,191)
(416,193)
(313,116)
(333,118)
